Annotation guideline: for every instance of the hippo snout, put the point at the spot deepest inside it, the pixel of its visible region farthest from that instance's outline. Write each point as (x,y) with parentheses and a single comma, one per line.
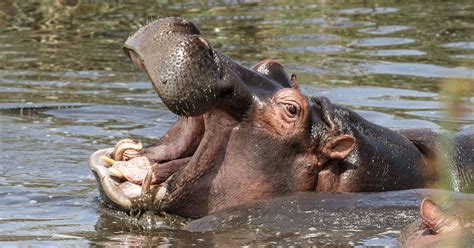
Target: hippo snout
(181,64)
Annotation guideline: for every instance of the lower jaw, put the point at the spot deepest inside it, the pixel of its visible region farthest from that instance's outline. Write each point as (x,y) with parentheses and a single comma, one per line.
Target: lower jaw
(111,189)
(174,175)
(123,195)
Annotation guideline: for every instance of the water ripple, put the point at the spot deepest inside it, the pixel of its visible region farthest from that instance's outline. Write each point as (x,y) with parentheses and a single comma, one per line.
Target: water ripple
(381,41)
(375,10)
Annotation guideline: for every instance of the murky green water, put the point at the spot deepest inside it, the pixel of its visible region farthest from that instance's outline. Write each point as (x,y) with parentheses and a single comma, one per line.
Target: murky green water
(386,60)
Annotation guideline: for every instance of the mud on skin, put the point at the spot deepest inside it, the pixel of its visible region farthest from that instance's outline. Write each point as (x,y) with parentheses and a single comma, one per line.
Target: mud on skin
(247,134)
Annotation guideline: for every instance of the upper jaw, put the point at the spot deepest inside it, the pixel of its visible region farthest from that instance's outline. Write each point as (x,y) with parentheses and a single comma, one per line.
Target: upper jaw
(180,63)
(189,75)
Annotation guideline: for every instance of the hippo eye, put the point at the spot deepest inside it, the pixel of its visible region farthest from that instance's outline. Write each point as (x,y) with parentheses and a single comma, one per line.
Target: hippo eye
(291,109)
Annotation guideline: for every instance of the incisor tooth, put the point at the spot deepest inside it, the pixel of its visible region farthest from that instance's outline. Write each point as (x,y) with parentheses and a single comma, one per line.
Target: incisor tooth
(116,173)
(108,161)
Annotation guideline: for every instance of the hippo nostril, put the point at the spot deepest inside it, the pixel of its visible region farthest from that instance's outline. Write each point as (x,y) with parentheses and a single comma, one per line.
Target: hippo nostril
(135,58)
(206,44)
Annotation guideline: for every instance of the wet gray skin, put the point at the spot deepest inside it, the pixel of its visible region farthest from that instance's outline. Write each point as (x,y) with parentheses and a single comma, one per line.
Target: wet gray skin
(367,211)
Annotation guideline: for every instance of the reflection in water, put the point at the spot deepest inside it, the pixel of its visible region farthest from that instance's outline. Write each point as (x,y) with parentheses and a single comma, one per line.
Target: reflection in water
(384,60)
(385,29)
(373,10)
(460,45)
(394,52)
(381,41)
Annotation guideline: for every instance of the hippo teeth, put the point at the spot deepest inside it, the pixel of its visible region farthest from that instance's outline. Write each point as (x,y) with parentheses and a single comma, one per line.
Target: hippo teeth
(147,181)
(116,173)
(122,146)
(108,161)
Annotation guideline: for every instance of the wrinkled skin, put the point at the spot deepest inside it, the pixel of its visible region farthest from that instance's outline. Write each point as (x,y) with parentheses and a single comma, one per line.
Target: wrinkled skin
(247,134)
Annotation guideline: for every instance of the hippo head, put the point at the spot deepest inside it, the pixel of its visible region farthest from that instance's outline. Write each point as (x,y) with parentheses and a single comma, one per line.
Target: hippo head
(241,135)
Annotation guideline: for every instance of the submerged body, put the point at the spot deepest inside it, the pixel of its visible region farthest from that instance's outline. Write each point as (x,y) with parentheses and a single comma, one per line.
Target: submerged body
(374,219)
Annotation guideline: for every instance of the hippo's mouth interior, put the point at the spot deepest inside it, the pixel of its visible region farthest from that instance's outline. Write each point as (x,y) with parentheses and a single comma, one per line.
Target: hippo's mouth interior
(183,152)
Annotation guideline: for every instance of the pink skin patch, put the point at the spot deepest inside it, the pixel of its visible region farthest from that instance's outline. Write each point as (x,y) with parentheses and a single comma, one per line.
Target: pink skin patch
(134,170)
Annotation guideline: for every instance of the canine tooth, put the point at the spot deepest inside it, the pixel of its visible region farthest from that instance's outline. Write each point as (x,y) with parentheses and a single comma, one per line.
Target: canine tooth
(123,145)
(146,184)
(108,161)
(123,141)
(116,173)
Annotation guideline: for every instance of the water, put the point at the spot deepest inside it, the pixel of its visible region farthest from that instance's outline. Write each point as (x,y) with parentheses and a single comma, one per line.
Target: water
(387,61)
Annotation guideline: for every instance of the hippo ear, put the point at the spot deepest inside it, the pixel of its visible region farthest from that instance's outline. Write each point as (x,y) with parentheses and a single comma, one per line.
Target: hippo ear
(339,147)
(293,82)
(435,219)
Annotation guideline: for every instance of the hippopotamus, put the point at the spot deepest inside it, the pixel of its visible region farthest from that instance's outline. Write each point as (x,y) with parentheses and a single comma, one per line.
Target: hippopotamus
(248,134)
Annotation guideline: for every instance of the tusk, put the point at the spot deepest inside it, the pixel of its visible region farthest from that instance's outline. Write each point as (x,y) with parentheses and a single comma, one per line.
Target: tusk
(108,161)
(116,173)
(146,184)
(123,145)
(121,142)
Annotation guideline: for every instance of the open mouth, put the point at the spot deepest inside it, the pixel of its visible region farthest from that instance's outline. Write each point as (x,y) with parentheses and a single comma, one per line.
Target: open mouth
(129,171)
(155,178)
